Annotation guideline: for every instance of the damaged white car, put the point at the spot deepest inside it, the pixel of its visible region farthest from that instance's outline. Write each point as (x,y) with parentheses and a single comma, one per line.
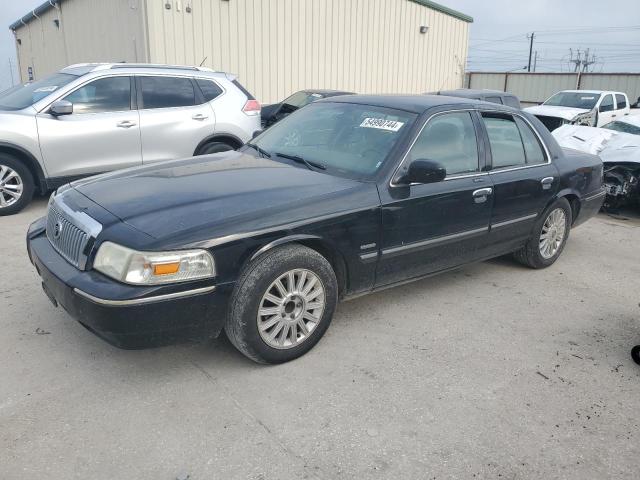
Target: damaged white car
(618,145)
(593,108)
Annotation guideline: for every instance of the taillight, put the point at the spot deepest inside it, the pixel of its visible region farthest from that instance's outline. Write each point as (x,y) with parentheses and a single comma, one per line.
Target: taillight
(252,107)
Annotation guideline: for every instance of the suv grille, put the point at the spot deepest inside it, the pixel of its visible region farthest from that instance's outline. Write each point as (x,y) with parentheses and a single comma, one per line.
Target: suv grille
(69,232)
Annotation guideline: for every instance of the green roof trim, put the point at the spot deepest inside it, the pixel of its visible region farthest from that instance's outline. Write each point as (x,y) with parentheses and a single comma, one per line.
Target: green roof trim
(443,9)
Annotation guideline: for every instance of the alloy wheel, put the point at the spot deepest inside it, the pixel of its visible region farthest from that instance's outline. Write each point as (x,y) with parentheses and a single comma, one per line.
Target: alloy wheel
(11,186)
(291,309)
(553,233)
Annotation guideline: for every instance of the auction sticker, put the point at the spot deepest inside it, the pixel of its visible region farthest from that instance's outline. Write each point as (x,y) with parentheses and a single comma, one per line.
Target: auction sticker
(382,124)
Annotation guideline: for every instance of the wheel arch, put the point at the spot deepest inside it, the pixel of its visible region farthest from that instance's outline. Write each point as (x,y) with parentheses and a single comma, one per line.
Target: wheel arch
(320,245)
(573,197)
(30,162)
(229,138)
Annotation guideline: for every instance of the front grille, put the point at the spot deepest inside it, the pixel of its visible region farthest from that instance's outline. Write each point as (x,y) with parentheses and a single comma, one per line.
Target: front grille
(66,238)
(550,122)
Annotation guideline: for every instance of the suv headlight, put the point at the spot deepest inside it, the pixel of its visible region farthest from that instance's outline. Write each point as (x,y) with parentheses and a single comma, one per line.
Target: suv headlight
(152,268)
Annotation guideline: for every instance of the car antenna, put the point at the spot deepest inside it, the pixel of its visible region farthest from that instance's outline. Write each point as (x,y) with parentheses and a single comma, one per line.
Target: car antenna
(203,60)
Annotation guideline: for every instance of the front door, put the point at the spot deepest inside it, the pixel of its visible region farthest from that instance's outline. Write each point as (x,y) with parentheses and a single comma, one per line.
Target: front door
(174,117)
(606,110)
(431,227)
(102,133)
(524,180)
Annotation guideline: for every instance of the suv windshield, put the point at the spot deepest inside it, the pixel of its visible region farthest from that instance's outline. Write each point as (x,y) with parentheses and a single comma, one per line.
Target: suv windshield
(348,139)
(574,100)
(623,127)
(29,93)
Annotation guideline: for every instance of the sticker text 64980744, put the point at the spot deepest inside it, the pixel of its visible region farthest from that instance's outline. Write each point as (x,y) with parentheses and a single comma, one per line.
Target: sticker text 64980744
(382,124)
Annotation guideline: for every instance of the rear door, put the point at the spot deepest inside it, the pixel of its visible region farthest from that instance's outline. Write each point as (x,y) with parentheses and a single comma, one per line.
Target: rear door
(174,117)
(523,177)
(431,227)
(101,134)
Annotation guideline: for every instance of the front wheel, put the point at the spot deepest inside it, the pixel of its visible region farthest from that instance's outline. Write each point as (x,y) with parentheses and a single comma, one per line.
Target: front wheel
(549,236)
(282,304)
(16,185)
(635,354)
(215,147)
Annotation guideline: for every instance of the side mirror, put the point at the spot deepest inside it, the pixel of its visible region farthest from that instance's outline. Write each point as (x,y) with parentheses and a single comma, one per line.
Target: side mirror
(424,171)
(256,133)
(61,107)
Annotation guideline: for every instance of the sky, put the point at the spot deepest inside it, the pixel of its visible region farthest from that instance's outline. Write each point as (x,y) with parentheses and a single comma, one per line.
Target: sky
(610,29)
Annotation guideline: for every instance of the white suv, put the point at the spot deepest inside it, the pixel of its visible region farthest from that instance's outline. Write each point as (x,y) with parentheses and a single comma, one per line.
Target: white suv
(92,118)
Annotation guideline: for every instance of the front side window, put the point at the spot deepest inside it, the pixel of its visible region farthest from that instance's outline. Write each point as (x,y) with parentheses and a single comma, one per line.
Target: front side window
(506,145)
(112,94)
(350,140)
(621,102)
(607,103)
(574,100)
(23,96)
(450,140)
(167,92)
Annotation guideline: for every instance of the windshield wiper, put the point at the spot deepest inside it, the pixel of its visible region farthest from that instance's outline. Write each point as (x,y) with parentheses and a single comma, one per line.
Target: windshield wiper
(261,151)
(298,159)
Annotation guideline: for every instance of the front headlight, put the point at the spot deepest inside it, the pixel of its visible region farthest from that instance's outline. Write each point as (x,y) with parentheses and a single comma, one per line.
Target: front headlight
(152,268)
(587,119)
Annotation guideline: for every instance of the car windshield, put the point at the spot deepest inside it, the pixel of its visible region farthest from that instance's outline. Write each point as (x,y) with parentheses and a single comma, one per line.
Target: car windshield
(574,100)
(623,127)
(300,99)
(348,139)
(29,93)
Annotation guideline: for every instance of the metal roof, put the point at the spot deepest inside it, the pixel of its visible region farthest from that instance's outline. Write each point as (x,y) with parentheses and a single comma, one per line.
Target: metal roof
(49,4)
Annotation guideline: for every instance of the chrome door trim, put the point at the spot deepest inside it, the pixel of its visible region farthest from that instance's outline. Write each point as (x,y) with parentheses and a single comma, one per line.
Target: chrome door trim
(432,242)
(145,300)
(513,220)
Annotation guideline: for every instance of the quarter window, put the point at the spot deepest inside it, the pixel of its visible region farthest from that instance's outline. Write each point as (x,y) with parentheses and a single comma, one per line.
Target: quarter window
(210,89)
(111,94)
(507,149)
(532,148)
(167,92)
(621,102)
(449,139)
(607,103)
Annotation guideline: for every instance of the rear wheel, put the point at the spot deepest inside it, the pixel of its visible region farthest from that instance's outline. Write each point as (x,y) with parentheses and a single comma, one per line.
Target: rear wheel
(215,147)
(635,354)
(16,185)
(549,236)
(282,304)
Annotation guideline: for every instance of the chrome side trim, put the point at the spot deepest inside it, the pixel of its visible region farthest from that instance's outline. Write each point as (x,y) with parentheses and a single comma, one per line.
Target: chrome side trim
(366,257)
(145,300)
(597,195)
(512,221)
(432,242)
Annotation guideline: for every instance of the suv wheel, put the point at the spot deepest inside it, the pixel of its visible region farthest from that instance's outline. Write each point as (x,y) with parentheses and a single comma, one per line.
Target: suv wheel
(282,304)
(215,147)
(16,185)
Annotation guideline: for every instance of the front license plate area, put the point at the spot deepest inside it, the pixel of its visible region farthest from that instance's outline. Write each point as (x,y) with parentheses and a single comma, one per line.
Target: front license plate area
(49,295)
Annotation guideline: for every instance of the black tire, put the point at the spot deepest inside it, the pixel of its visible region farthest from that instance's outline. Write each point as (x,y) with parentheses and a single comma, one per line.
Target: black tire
(530,254)
(256,278)
(215,147)
(635,354)
(26,179)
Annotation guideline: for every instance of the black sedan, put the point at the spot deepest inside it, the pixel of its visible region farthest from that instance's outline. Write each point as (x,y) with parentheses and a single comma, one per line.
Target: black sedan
(347,196)
(273,113)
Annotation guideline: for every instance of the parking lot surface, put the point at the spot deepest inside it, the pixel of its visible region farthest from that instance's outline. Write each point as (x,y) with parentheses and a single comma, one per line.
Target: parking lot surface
(491,371)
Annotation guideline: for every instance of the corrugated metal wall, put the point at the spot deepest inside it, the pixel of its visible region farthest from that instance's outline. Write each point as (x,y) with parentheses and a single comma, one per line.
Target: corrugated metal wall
(279,46)
(90,31)
(533,88)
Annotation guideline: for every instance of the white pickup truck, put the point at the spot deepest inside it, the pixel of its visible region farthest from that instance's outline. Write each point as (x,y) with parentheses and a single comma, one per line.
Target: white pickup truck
(592,108)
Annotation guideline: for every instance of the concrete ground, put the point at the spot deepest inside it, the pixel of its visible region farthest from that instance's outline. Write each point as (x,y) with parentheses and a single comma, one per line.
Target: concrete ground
(492,371)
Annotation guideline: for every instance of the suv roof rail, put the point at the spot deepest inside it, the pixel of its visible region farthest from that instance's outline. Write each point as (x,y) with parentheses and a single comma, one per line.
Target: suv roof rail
(157,65)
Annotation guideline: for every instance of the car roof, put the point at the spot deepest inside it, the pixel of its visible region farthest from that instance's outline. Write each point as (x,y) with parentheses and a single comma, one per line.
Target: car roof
(471,92)
(85,68)
(410,103)
(590,91)
(326,91)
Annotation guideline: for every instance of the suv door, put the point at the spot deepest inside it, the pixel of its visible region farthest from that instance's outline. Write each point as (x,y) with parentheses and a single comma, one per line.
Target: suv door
(431,227)
(101,134)
(523,177)
(174,117)
(606,111)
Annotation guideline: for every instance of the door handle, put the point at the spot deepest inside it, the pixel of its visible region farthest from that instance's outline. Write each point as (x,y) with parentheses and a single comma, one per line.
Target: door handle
(199,117)
(480,195)
(126,124)
(612,116)
(546,183)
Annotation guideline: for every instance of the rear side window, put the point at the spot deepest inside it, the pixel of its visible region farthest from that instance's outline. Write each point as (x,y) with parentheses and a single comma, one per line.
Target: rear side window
(167,92)
(210,89)
(494,100)
(607,103)
(507,149)
(449,139)
(112,94)
(621,101)
(532,148)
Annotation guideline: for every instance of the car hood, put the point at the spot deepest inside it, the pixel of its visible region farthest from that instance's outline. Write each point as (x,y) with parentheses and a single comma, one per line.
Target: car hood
(609,145)
(568,113)
(218,195)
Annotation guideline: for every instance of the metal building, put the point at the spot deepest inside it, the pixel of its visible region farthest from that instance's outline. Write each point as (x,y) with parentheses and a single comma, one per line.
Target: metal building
(275,46)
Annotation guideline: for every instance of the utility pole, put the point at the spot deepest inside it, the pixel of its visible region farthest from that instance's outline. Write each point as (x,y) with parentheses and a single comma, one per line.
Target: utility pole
(535,61)
(586,62)
(533,34)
